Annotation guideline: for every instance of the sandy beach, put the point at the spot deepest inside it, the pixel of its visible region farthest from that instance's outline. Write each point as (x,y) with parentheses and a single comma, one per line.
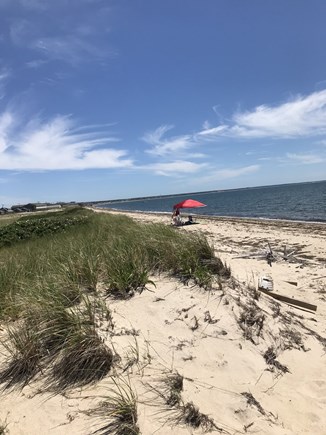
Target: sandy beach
(249,362)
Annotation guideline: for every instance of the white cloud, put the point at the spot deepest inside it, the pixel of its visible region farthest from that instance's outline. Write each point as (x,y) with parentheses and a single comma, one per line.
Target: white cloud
(6,122)
(305,159)
(162,147)
(70,40)
(36,63)
(4,75)
(175,168)
(232,173)
(211,133)
(222,174)
(206,125)
(154,137)
(55,145)
(302,116)
(70,48)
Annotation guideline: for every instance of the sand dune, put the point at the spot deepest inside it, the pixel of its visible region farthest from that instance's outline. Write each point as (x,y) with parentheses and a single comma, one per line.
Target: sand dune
(250,363)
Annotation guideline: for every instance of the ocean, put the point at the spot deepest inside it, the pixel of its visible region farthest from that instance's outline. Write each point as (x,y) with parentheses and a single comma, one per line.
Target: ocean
(300,201)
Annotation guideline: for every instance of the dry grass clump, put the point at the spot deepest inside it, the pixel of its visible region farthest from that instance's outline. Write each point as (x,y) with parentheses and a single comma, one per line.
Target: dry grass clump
(276,308)
(3,428)
(292,339)
(253,402)
(172,387)
(270,358)
(169,391)
(190,415)
(251,321)
(120,409)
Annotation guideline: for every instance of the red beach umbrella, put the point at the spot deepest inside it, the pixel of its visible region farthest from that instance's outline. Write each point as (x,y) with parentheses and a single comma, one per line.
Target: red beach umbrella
(189,203)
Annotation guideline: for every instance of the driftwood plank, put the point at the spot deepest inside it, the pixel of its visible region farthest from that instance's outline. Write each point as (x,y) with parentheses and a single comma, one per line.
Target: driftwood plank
(288,300)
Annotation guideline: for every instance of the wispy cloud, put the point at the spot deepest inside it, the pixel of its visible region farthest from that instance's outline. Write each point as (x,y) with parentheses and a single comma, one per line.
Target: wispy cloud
(175,168)
(67,40)
(302,116)
(36,63)
(305,159)
(70,48)
(55,145)
(6,122)
(222,174)
(163,146)
(4,75)
(213,177)
(211,133)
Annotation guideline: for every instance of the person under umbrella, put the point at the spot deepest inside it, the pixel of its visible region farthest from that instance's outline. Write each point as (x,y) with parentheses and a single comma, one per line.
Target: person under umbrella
(188,203)
(176,220)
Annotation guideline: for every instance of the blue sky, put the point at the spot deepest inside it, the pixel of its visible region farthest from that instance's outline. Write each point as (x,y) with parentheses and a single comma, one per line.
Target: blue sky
(104,99)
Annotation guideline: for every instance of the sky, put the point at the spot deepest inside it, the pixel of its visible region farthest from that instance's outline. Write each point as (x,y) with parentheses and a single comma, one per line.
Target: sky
(107,99)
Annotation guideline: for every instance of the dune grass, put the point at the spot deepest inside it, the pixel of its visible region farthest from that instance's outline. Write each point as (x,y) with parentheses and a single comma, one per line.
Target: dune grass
(61,341)
(25,354)
(107,248)
(119,408)
(190,415)
(51,263)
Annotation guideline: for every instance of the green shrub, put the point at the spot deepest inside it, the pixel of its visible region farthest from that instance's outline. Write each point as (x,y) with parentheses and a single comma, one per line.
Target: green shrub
(39,226)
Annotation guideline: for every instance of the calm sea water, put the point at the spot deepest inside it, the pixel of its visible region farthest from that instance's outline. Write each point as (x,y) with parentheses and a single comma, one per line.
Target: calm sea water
(303,201)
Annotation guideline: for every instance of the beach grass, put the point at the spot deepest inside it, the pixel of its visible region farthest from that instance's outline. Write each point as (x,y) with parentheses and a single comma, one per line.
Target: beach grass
(51,267)
(112,249)
(119,409)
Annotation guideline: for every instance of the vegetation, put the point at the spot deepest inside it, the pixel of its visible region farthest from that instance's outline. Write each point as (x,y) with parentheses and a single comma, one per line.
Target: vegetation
(49,334)
(37,226)
(172,388)
(51,265)
(190,415)
(3,428)
(120,409)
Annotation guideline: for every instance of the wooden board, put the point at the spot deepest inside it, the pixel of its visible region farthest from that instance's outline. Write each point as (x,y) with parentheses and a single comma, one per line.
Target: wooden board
(288,300)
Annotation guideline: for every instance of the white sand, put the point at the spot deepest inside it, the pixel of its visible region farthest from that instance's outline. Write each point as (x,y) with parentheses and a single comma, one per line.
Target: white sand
(217,362)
